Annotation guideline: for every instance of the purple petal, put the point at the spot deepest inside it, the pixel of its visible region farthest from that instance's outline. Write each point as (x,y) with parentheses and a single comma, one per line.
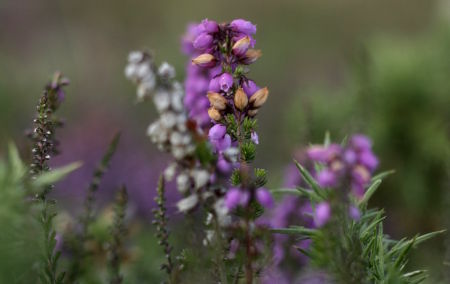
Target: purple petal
(368,159)
(214,85)
(203,41)
(361,142)
(326,178)
(322,214)
(210,26)
(250,87)
(232,198)
(217,132)
(226,82)
(264,197)
(224,143)
(255,137)
(243,26)
(354,213)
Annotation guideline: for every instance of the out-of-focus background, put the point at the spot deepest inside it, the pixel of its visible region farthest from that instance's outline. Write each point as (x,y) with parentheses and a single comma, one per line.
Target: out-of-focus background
(377,67)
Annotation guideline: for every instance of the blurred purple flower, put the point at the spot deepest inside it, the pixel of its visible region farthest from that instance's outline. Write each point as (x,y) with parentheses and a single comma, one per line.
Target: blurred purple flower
(322,214)
(264,197)
(233,198)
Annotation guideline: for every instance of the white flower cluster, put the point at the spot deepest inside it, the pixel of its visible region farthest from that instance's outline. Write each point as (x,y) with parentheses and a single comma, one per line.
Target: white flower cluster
(169,132)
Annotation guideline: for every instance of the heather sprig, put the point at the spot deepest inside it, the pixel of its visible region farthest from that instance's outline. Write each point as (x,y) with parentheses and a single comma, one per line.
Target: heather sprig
(118,233)
(234,102)
(347,240)
(162,232)
(44,146)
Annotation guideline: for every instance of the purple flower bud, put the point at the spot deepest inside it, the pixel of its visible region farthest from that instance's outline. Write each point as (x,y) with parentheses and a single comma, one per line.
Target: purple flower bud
(361,142)
(213,72)
(245,197)
(354,213)
(321,154)
(232,198)
(264,197)
(255,137)
(357,189)
(250,88)
(368,159)
(326,178)
(322,214)
(241,46)
(350,156)
(214,85)
(217,132)
(203,41)
(243,26)
(224,166)
(226,82)
(224,143)
(210,26)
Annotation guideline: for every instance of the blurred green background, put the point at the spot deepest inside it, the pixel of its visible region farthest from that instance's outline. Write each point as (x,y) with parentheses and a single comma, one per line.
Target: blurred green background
(376,67)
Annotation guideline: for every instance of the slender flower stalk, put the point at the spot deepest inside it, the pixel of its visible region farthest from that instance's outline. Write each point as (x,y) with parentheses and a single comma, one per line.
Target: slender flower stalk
(44,146)
(162,233)
(118,232)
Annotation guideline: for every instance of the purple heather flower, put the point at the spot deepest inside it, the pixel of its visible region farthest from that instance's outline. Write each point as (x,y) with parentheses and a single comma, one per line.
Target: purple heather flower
(368,159)
(214,85)
(318,153)
(361,142)
(326,178)
(215,71)
(264,197)
(192,31)
(243,26)
(203,41)
(224,143)
(354,213)
(350,156)
(224,166)
(250,87)
(226,82)
(217,132)
(233,198)
(210,26)
(255,137)
(322,214)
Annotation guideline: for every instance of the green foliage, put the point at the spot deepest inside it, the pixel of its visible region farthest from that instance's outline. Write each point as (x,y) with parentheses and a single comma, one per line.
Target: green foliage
(357,251)
(49,178)
(232,125)
(248,151)
(249,125)
(235,178)
(260,177)
(20,244)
